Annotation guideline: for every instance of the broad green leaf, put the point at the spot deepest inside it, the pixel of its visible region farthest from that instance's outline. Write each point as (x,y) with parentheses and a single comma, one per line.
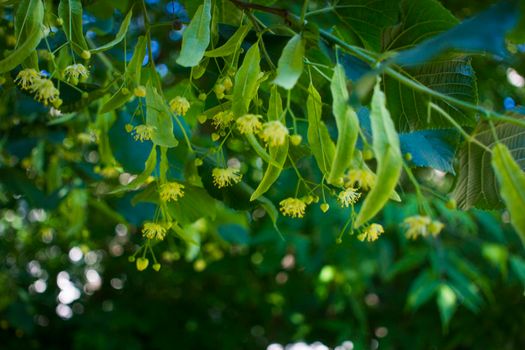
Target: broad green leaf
(447,303)
(452,76)
(388,155)
(196,37)
(360,21)
(476,185)
(482,33)
(70,11)
(511,180)
(232,45)
(28,29)
(431,148)
(246,81)
(321,144)
(347,127)
(290,65)
(195,204)
(131,78)
(159,117)
(120,35)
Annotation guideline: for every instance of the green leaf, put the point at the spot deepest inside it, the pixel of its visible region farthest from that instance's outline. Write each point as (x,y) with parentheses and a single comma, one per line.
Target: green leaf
(511,180)
(232,45)
(246,81)
(422,289)
(290,65)
(321,144)
(518,266)
(150,165)
(159,117)
(388,155)
(362,21)
(347,127)
(447,304)
(279,154)
(476,185)
(120,35)
(452,76)
(28,30)
(131,78)
(70,11)
(196,37)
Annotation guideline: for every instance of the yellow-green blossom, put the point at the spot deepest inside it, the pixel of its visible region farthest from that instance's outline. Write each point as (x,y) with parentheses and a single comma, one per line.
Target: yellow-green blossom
(294,207)
(224,177)
(274,133)
(75,73)
(348,197)
(371,233)
(222,119)
(152,230)
(363,178)
(249,124)
(45,91)
(143,132)
(26,78)
(171,191)
(418,225)
(179,105)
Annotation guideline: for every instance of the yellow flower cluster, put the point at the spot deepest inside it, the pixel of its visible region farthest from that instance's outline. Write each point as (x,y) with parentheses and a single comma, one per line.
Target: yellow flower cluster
(224,177)
(143,132)
(274,133)
(171,191)
(75,73)
(294,207)
(44,89)
(249,124)
(222,119)
(153,230)
(348,197)
(179,105)
(363,178)
(371,233)
(422,226)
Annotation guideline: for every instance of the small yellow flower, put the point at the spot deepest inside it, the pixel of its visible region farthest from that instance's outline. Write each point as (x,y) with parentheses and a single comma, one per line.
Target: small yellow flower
(222,120)
(179,105)
(296,139)
(371,233)
(249,124)
(143,132)
(274,133)
(153,230)
(45,91)
(348,197)
(26,78)
(325,207)
(75,73)
(418,225)
(227,83)
(171,191)
(224,177)
(293,207)
(363,178)
(140,91)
